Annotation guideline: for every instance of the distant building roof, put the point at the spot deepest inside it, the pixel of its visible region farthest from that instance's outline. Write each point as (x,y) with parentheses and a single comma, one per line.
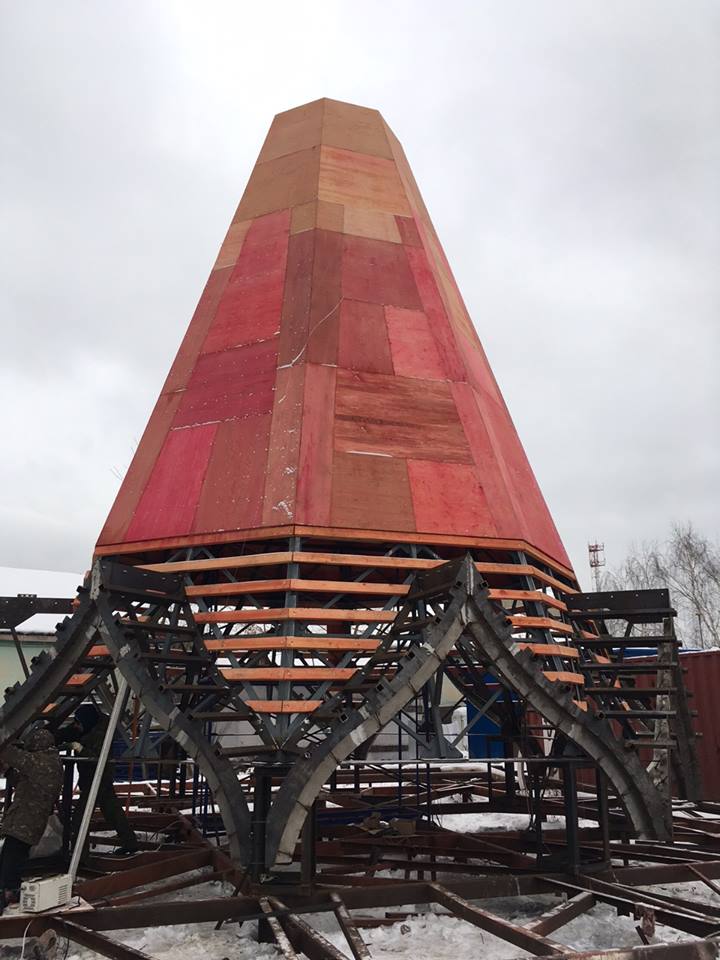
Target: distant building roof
(43,583)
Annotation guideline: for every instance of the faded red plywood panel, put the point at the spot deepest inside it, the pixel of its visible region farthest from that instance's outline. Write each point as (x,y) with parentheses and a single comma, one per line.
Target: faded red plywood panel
(230,384)
(413,346)
(167,506)
(408,231)
(364,343)
(232,493)
(497,483)
(282,465)
(399,417)
(140,469)
(449,497)
(371,492)
(251,304)
(316,446)
(378,272)
(434,309)
(541,530)
(326,297)
(296,298)
(197,331)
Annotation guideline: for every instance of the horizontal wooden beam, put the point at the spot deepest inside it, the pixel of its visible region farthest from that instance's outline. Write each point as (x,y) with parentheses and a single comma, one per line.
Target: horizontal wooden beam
(319,642)
(283,706)
(551,650)
(281,614)
(278,674)
(543,623)
(365,588)
(564,676)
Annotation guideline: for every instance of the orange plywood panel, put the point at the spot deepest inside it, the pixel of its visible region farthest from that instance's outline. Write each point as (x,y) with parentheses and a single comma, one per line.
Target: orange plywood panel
(280,184)
(371,489)
(232,244)
(359,180)
(317,213)
(278,674)
(371,223)
(316,642)
(293,131)
(354,128)
(283,706)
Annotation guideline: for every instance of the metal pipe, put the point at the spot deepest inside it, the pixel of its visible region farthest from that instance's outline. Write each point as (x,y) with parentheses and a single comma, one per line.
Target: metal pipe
(118,707)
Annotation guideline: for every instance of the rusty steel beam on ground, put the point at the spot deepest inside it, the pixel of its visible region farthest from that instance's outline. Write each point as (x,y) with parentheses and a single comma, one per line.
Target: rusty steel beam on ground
(358,947)
(171,866)
(561,914)
(97,942)
(304,938)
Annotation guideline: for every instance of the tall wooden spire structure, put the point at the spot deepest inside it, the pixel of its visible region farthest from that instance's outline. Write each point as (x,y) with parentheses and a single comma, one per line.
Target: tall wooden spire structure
(331,377)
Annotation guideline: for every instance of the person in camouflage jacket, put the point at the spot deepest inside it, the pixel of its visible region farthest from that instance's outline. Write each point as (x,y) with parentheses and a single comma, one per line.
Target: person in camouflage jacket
(37,777)
(88,730)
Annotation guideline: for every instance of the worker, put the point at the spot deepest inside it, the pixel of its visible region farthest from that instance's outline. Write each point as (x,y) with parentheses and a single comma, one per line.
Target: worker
(36,771)
(88,730)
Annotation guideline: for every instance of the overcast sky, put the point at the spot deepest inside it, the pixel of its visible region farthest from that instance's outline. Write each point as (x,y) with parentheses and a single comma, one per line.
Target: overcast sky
(568,152)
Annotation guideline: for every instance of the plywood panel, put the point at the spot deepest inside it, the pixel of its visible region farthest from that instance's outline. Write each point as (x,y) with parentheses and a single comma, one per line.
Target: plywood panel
(408,231)
(414,349)
(251,304)
(354,128)
(497,482)
(449,497)
(315,467)
(230,384)
(197,331)
(371,491)
(293,130)
(167,506)
(371,223)
(282,464)
(296,299)
(378,272)
(140,469)
(364,343)
(326,298)
(232,244)
(399,417)
(359,180)
(281,183)
(232,493)
(434,309)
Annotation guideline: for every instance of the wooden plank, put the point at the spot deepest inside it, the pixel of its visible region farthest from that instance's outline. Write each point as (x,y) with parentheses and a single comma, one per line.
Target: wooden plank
(564,676)
(551,650)
(250,644)
(79,679)
(532,596)
(221,563)
(277,674)
(544,623)
(314,614)
(366,588)
(283,706)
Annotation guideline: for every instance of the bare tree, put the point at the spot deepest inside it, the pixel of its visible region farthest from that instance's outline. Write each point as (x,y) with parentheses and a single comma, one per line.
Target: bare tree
(689,565)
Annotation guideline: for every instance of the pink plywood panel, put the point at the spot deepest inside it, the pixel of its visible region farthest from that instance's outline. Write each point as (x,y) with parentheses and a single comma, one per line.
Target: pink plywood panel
(449,498)
(251,304)
(296,299)
(434,309)
(414,349)
(140,469)
(230,384)
(364,343)
(371,492)
(282,465)
(541,531)
(378,272)
(398,417)
(197,331)
(408,231)
(167,506)
(316,446)
(232,493)
(326,298)
(497,483)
